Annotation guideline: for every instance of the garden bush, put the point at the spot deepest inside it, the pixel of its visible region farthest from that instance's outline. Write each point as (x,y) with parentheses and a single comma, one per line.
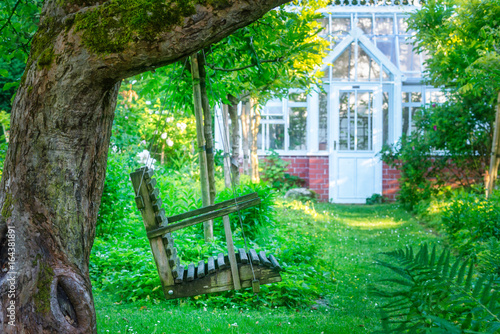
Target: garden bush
(273,170)
(471,220)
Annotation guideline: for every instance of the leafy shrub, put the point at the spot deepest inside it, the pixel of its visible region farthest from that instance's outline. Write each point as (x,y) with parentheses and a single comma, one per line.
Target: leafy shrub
(471,220)
(433,294)
(4,123)
(254,218)
(436,154)
(274,172)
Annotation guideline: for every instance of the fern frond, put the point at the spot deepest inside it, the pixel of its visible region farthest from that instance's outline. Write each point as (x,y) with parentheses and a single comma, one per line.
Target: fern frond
(437,296)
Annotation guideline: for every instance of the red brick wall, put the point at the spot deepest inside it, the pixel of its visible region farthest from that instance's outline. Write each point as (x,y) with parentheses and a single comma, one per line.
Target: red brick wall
(390,185)
(313,170)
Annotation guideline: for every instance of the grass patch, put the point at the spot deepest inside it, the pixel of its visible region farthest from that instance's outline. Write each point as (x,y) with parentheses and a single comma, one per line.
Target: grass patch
(328,252)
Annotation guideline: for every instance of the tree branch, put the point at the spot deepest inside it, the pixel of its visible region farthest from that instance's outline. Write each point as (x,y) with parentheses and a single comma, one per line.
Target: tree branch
(213,67)
(11,14)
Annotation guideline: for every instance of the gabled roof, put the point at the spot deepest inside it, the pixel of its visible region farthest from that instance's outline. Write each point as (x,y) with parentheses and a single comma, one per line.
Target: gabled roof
(357,35)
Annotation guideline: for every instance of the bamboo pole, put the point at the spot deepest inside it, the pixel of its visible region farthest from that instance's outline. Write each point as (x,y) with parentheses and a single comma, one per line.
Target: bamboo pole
(227,181)
(208,229)
(495,152)
(254,158)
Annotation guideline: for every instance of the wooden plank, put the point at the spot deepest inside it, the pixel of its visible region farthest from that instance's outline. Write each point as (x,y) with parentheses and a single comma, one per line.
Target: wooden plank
(230,252)
(221,264)
(161,218)
(274,262)
(180,275)
(151,184)
(254,257)
(193,221)
(167,239)
(174,260)
(157,247)
(190,272)
(139,202)
(223,281)
(243,256)
(216,206)
(264,260)
(154,195)
(211,265)
(201,269)
(157,205)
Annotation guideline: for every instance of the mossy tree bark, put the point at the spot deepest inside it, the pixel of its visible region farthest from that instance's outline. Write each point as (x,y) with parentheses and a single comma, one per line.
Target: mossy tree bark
(60,128)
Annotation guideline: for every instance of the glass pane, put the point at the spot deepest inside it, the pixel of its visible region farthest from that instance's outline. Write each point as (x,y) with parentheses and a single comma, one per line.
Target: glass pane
(365,23)
(368,69)
(364,126)
(406,119)
(416,97)
(402,25)
(343,68)
(297,128)
(387,47)
(406,97)
(341,25)
(415,114)
(386,75)
(344,121)
(259,138)
(297,97)
(409,59)
(352,125)
(385,115)
(323,23)
(323,121)
(275,110)
(384,26)
(277,136)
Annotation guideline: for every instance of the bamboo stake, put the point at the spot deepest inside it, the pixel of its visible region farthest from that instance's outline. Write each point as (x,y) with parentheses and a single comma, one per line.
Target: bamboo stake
(227,224)
(208,229)
(495,152)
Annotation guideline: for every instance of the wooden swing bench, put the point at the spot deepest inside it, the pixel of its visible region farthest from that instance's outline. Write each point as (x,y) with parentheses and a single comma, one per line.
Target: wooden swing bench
(215,275)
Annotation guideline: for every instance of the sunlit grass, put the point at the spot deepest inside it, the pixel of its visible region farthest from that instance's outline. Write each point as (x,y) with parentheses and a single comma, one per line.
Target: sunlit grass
(346,237)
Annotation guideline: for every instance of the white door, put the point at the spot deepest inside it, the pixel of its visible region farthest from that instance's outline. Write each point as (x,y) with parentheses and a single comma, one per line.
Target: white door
(355,170)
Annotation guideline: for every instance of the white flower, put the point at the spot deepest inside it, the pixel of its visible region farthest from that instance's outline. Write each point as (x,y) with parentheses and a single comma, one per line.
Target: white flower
(145,159)
(170,142)
(170,119)
(164,135)
(182,126)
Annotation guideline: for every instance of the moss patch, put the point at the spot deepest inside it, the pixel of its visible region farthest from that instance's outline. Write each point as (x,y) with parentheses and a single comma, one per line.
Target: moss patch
(46,58)
(6,209)
(44,282)
(110,27)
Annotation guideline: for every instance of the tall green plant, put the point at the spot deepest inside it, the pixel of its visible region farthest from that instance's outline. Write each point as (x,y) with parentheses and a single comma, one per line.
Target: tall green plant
(434,294)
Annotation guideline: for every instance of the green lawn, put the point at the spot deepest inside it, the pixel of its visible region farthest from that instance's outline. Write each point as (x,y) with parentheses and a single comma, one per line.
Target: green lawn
(345,238)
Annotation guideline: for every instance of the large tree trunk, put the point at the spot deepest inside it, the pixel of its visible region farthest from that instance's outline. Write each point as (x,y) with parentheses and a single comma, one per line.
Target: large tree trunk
(60,128)
(232,109)
(207,127)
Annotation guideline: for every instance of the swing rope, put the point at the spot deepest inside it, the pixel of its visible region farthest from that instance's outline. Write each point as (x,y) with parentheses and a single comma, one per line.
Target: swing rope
(225,137)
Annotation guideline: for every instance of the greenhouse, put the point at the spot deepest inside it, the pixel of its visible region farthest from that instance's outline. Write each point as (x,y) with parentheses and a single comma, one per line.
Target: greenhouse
(372,88)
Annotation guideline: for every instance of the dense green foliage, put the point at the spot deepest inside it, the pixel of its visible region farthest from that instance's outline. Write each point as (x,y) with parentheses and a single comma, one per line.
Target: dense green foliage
(435,294)
(273,170)
(471,220)
(435,154)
